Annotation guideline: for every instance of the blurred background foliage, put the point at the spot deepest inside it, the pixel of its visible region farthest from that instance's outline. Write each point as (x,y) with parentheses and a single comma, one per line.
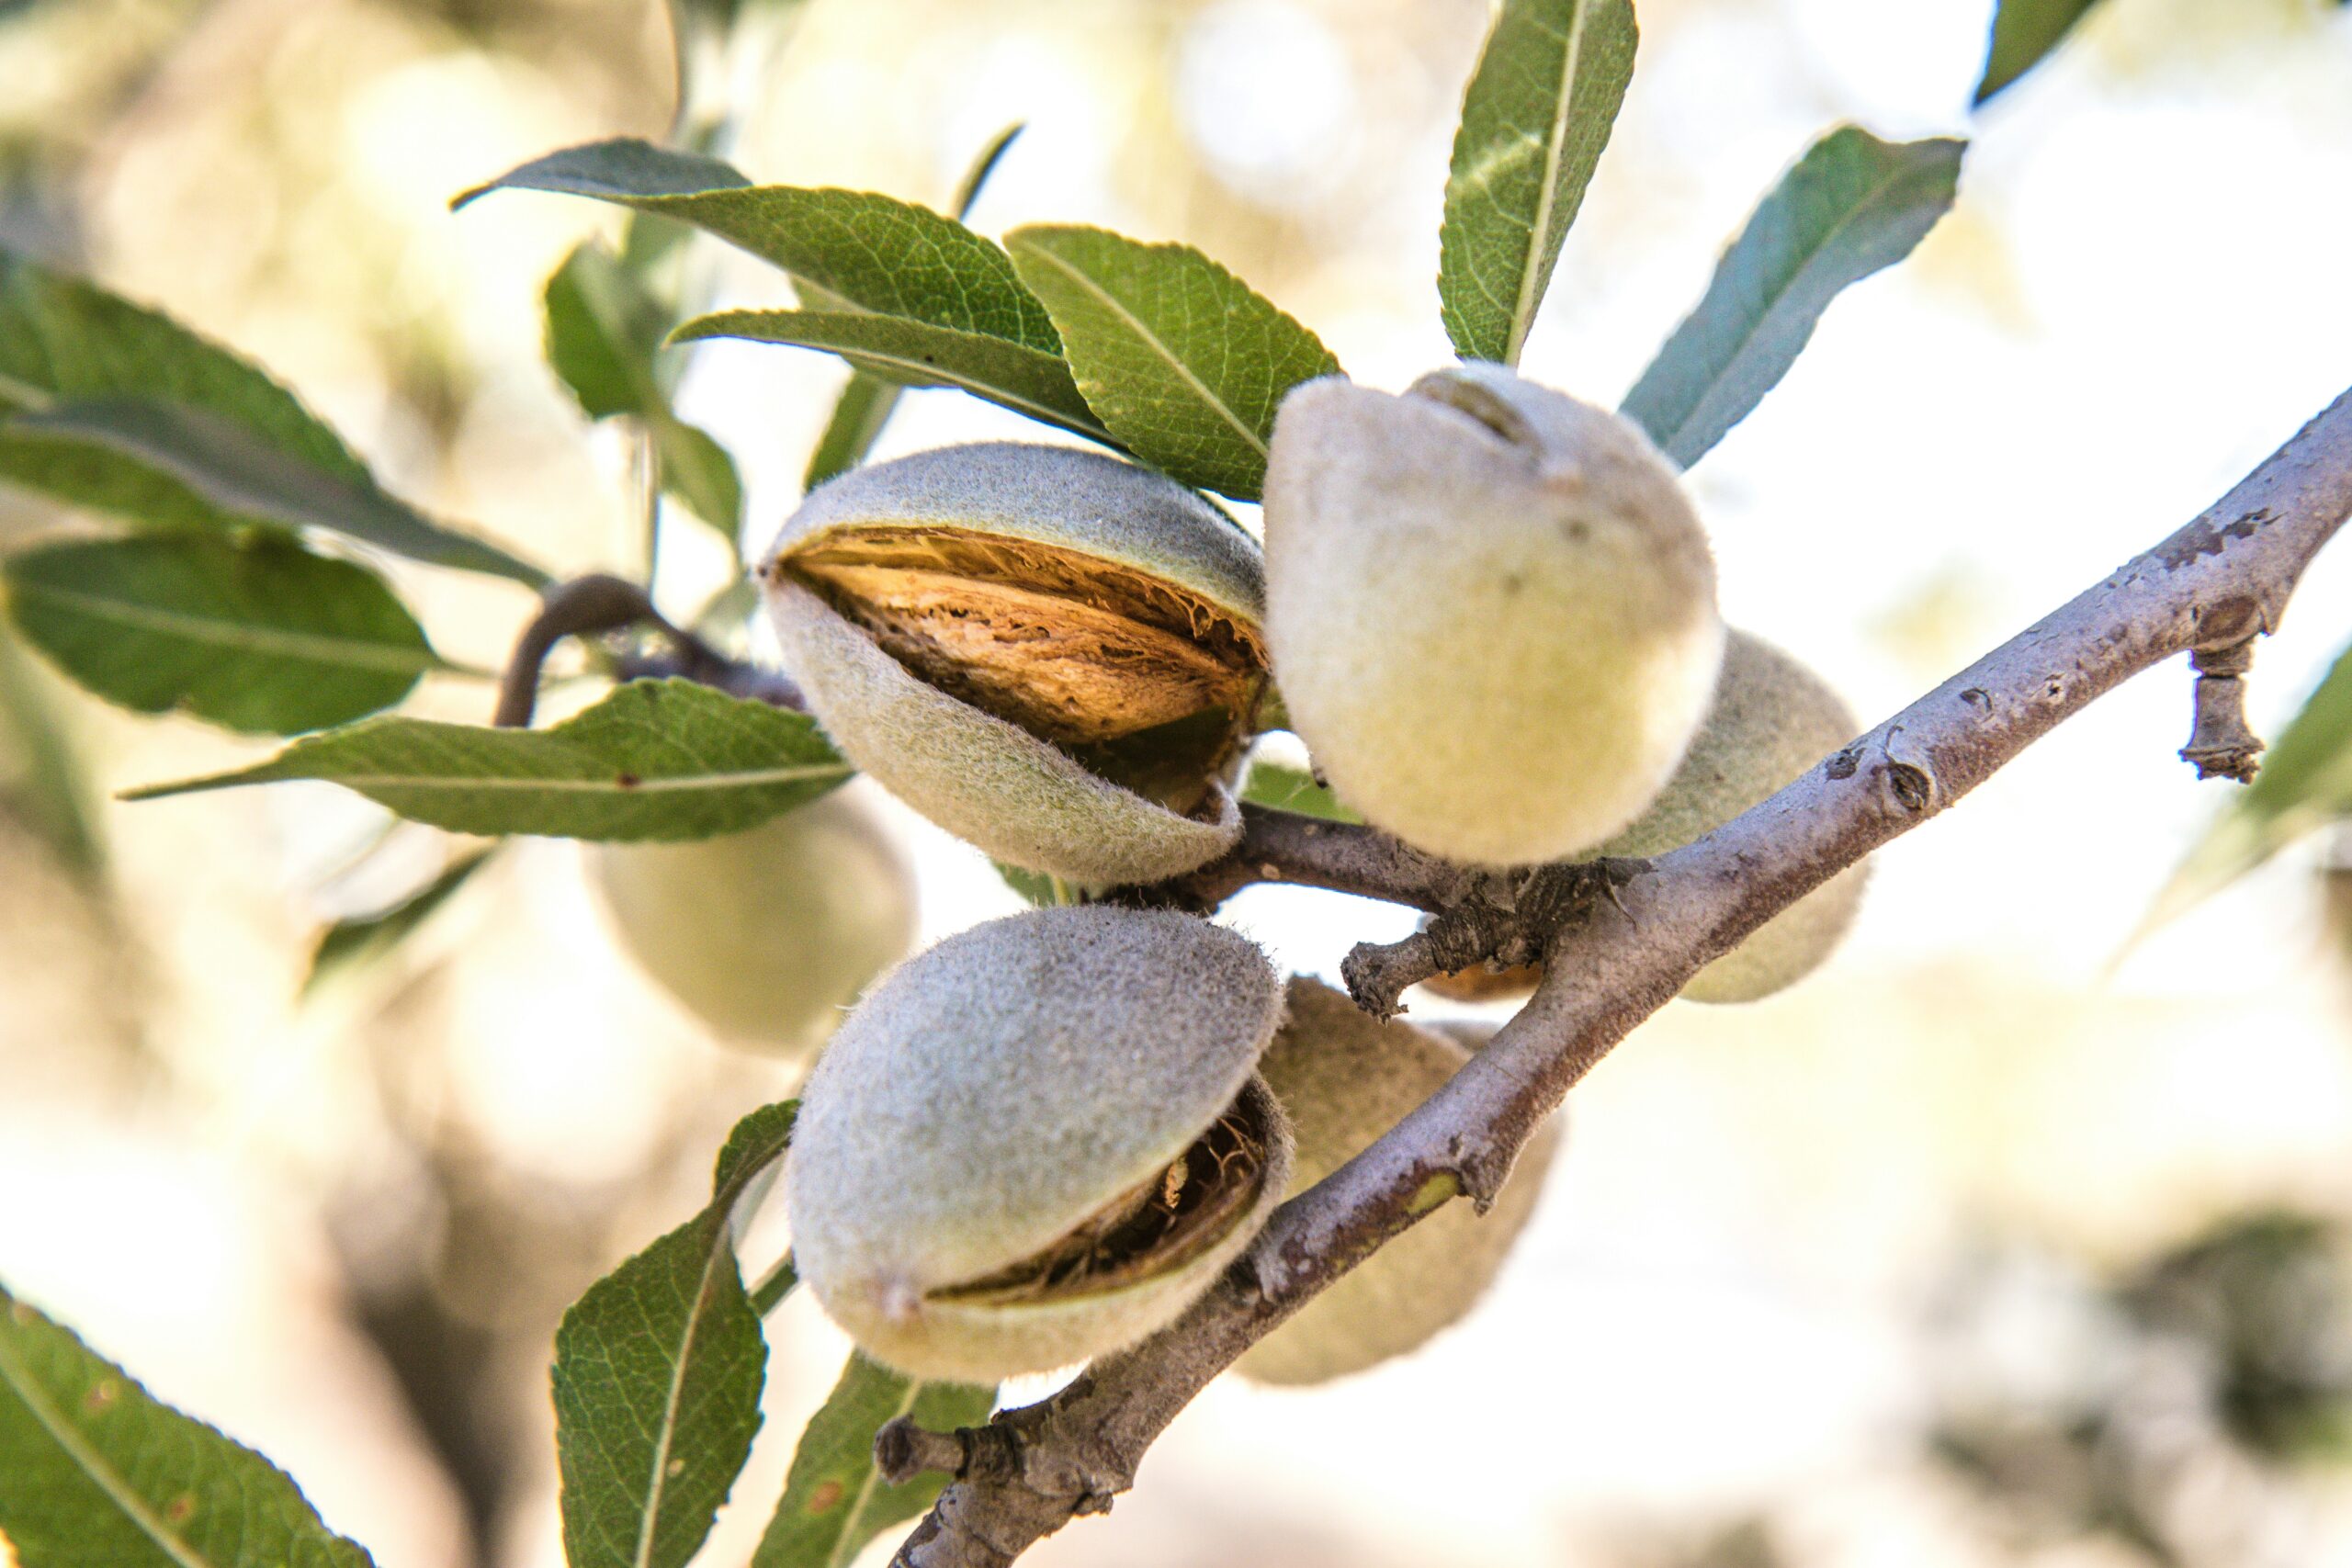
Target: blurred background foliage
(2006,1241)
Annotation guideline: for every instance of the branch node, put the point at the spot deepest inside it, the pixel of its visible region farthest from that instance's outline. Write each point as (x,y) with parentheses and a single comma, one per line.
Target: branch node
(1506,918)
(2220,743)
(903,1451)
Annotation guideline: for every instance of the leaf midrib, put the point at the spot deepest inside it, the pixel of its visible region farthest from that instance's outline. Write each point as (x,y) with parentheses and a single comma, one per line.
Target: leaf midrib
(1151,339)
(1531,291)
(847,346)
(682,784)
(92,1463)
(658,1483)
(315,647)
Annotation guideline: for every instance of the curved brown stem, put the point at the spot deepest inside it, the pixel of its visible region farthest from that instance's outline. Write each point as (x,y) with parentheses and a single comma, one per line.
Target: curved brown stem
(599,602)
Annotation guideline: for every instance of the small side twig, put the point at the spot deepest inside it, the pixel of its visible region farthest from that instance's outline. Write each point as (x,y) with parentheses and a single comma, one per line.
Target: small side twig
(903,1451)
(1508,917)
(600,603)
(2220,743)
(1308,851)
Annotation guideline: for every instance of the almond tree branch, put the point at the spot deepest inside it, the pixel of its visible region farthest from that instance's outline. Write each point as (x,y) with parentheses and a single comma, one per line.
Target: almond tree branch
(1612,961)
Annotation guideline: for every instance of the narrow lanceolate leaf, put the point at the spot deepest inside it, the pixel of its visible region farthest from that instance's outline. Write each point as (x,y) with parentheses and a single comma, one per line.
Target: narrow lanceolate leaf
(1286,788)
(243,478)
(1537,113)
(605,335)
(1851,206)
(603,330)
(862,410)
(916,353)
(232,444)
(834,1500)
(2023,31)
(1181,361)
(698,472)
(872,252)
(260,635)
(662,760)
(43,786)
(657,1381)
(349,946)
(94,1473)
(2305,783)
(867,402)
(983,164)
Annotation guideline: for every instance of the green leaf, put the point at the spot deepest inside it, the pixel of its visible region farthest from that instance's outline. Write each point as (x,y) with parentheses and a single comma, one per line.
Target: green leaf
(872,252)
(605,334)
(867,402)
(604,329)
(1286,788)
(655,760)
(257,635)
(2023,31)
(1537,113)
(915,354)
(94,1473)
(656,1380)
(866,406)
(1036,886)
(243,478)
(1182,361)
(697,471)
(1851,206)
(348,946)
(983,164)
(64,341)
(42,782)
(2304,783)
(834,1501)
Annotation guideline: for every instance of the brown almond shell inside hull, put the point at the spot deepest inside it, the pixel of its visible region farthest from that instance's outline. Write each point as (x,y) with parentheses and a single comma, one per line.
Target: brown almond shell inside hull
(1141,682)
(1156,1226)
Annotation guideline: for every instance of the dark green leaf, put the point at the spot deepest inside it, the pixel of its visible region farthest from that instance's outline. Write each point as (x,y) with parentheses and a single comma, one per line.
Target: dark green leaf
(976,177)
(94,1473)
(2023,31)
(1182,361)
(867,402)
(241,476)
(603,330)
(1286,788)
(915,354)
(624,169)
(605,334)
(2305,783)
(697,470)
(259,635)
(662,760)
(872,252)
(657,1381)
(1851,206)
(834,1501)
(1537,113)
(866,406)
(348,946)
(42,783)
(64,341)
